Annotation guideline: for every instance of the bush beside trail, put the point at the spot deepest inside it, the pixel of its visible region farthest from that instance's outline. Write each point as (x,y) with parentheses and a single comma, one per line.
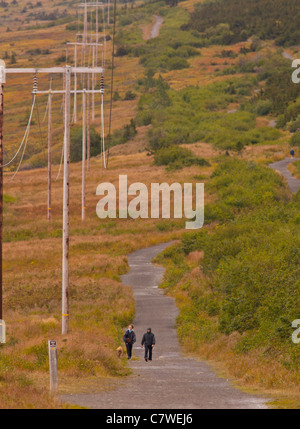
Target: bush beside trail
(239,299)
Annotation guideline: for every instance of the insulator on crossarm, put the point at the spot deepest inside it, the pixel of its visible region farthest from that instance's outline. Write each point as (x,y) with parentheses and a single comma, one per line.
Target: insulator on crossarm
(35,84)
(102,84)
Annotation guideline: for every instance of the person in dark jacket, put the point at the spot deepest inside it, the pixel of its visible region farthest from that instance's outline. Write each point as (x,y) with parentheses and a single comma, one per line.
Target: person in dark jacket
(148,341)
(129,338)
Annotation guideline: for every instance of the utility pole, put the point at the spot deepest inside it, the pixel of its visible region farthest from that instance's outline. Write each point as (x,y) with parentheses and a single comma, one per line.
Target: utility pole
(2,81)
(66,71)
(88,126)
(83,154)
(93,87)
(84,39)
(75,85)
(94,47)
(49,151)
(66,208)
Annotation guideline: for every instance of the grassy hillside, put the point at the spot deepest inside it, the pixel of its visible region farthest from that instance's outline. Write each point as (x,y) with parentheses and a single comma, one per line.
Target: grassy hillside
(231,21)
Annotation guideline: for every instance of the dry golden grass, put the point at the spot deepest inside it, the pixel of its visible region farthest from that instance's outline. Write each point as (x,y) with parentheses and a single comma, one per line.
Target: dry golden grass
(295,170)
(266,153)
(18,88)
(99,304)
(202,68)
(189,5)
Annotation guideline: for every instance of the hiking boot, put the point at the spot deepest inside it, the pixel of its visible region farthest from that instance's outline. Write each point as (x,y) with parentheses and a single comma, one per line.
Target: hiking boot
(146,359)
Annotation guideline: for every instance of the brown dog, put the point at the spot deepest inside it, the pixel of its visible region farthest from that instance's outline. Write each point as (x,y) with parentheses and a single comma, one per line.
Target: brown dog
(120,352)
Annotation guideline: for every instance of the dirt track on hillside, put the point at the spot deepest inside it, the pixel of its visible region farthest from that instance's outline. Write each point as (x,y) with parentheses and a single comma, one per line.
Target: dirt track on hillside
(281,167)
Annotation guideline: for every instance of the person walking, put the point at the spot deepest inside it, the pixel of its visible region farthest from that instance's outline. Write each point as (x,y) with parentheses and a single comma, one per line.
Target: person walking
(129,339)
(148,341)
(292,153)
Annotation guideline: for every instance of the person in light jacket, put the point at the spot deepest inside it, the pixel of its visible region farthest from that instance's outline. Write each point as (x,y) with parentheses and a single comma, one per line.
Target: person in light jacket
(148,341)
(129,339)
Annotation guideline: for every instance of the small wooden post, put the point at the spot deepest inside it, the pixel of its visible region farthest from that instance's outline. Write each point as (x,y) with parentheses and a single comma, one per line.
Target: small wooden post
(53,365)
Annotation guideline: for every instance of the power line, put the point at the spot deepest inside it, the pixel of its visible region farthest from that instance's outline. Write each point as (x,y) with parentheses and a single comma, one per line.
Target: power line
(24,137)
(112,78)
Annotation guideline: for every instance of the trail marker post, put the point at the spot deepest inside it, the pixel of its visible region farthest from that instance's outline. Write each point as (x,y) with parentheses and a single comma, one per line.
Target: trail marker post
(52,348)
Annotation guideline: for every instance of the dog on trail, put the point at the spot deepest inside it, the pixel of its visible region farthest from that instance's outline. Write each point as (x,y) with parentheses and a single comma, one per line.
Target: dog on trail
(120,352)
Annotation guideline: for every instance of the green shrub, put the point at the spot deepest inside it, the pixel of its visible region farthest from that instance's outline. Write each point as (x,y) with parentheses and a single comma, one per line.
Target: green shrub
(251,265)
(263,107)
(177,157)
(124,134)
(177,63)
(130,95)
(76,143)
(295,139)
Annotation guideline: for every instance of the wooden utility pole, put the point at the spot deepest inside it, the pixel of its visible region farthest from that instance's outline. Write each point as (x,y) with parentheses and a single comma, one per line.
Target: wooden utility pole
(93,87)
(84,45)
(75,84)
(2,81)
(88,120)
(49,151)
(85,29)
(66,71)
(66,208)
(83,154)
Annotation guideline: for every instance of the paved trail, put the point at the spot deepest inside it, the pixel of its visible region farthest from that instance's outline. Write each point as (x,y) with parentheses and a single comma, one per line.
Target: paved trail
(171,380)
(281,167)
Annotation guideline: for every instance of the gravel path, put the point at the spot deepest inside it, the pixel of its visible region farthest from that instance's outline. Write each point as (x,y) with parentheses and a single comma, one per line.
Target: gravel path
(156,27)
(171,380)
(287,55)
(281,167)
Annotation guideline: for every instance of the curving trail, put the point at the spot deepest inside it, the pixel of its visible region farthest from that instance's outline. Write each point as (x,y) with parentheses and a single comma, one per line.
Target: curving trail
(281,167)
(171,380)
(156,27)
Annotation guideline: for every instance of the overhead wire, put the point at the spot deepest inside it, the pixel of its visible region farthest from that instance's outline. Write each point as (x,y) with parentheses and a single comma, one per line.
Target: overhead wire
(112,80)
(26,140)
(24,137)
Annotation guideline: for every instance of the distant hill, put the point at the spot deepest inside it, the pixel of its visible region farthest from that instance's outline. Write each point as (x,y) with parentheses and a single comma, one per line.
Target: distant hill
(267,19)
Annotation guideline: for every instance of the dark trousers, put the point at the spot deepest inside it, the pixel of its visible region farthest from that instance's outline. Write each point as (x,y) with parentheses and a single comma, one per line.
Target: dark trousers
(148,349)
(129,349)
